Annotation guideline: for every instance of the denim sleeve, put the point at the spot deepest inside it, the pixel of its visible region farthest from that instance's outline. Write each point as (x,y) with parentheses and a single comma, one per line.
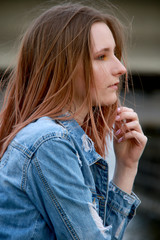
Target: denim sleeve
(121,208)
(56,186)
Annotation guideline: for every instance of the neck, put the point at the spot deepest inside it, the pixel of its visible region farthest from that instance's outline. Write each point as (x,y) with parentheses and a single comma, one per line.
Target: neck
(79,117)
(79,113)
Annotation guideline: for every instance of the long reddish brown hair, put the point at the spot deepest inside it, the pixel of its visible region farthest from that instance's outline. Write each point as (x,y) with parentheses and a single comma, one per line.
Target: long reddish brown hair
(42,82)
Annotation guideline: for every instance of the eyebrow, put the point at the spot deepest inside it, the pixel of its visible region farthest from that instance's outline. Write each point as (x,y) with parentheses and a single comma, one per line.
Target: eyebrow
(105,50)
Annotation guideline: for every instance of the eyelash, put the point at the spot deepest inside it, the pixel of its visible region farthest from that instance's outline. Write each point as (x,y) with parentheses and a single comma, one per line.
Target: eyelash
(102,57)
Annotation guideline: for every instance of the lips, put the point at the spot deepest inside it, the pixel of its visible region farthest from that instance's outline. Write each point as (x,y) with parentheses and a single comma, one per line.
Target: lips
(115,85)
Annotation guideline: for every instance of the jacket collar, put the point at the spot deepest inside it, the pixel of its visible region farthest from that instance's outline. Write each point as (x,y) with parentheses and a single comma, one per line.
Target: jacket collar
(82,140)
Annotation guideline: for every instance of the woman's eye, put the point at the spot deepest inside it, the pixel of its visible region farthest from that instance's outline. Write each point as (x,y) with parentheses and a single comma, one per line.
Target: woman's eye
(102,57)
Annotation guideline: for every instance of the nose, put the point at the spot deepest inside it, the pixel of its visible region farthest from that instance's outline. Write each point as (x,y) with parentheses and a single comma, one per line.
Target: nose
(118,69)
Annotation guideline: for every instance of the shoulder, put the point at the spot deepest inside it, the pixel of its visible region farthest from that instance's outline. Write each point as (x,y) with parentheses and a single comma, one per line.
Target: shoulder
(39,131)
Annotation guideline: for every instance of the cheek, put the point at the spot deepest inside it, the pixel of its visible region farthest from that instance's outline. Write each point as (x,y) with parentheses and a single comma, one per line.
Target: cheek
(100,73)
(100,78)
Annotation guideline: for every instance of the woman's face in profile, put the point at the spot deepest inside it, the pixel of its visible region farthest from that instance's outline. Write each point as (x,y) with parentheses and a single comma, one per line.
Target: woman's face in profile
(106,67)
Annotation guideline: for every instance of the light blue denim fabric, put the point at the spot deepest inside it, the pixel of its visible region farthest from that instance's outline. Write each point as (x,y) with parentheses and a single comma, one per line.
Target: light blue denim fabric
(53,185)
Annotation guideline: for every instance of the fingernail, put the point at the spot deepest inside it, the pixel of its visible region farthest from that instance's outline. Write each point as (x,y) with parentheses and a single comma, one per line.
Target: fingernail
(117,117)
(120,140)
(118,132)
(118,109)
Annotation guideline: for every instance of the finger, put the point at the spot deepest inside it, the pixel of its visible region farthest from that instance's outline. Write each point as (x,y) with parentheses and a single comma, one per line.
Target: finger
(118,125)
(139,138)
(120,133)
(130,126)
(127,116)
(124,109)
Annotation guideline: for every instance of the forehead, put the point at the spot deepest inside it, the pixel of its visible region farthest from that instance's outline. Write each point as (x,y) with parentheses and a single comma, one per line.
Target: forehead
(101,37)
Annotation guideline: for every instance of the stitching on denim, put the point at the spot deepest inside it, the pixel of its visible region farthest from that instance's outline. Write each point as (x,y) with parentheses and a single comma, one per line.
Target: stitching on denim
(21,148)
(94,193)
(48,137)
(97,159)
(102,203)
(38,143)
(55,202)
(101,165)
(117,210)
(24,174)
(113,187)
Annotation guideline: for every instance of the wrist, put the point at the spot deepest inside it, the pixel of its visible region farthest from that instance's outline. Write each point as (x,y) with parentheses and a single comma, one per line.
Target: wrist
(128,163)
(124,177)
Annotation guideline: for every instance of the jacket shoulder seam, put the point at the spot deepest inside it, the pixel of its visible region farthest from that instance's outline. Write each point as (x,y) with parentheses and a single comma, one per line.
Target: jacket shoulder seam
(30,152)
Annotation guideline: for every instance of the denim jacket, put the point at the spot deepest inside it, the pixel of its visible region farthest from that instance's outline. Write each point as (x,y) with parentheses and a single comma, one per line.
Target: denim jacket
(54,185)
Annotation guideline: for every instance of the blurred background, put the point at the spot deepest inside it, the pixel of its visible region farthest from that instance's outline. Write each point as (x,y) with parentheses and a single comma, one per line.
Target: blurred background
(142,21)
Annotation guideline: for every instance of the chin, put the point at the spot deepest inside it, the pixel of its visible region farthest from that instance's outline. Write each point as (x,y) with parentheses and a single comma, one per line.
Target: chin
(110,101)
(106,102)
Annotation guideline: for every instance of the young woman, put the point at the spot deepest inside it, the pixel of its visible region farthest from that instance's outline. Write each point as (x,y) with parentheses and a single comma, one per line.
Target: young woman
(61,104)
